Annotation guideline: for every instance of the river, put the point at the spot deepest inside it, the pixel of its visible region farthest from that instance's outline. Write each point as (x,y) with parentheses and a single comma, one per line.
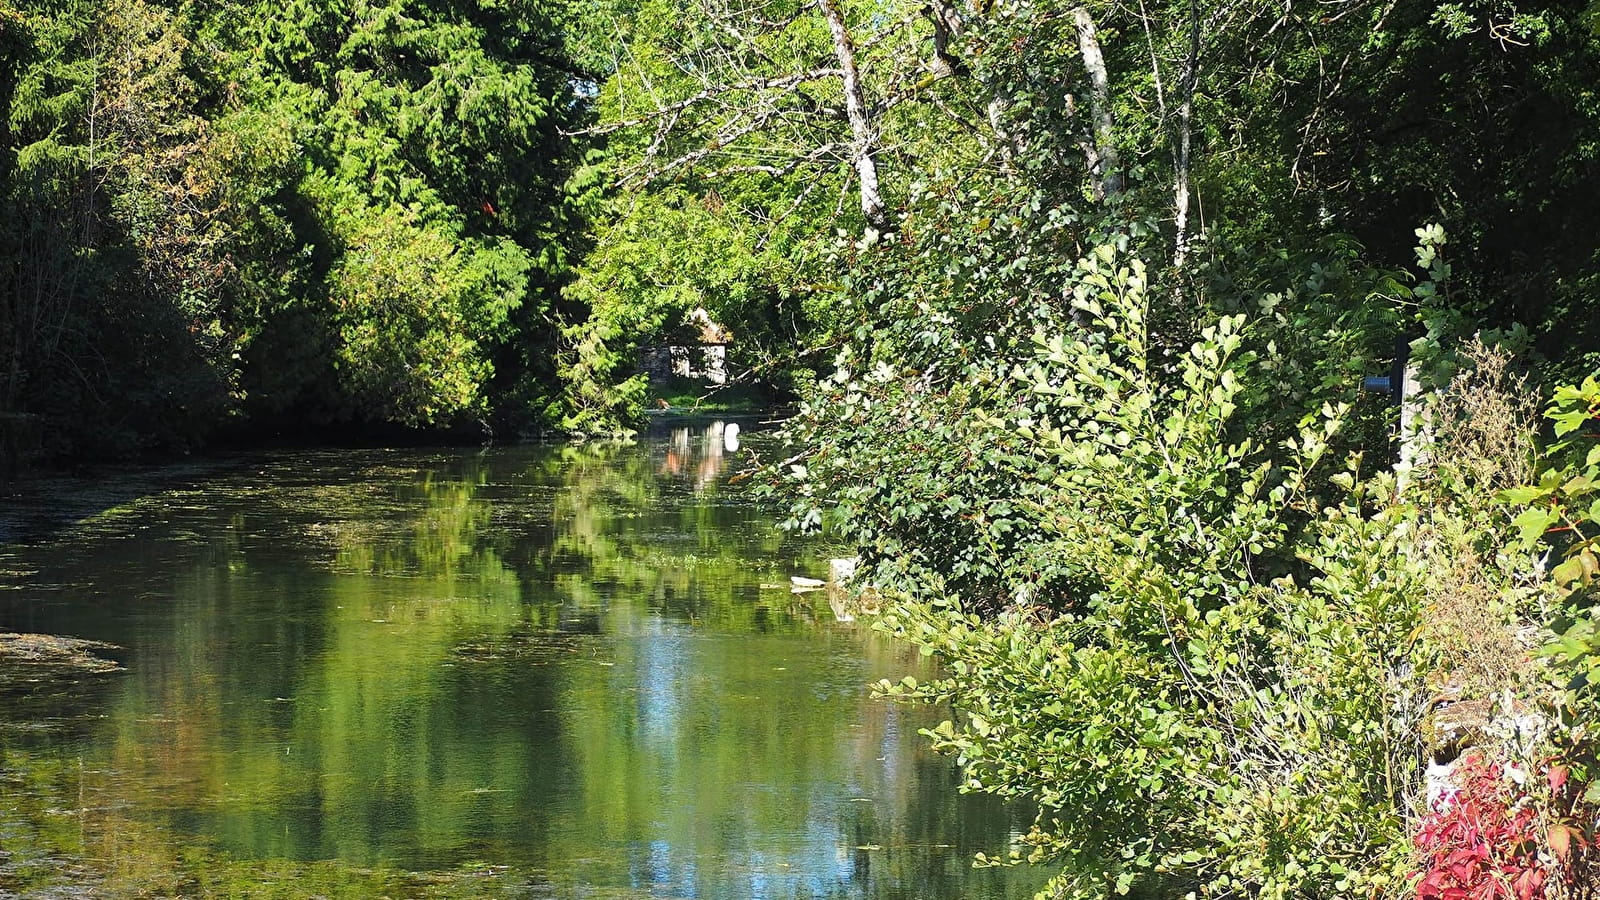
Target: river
(525,671)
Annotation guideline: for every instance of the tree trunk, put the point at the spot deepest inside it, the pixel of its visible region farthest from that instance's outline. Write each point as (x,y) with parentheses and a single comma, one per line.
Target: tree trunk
(864,143)
(948,24)
(1180,188)
(1180,156)
(1104,164)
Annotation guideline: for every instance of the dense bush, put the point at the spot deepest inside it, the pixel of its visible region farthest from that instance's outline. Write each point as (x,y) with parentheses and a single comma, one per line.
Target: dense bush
(1151,626)
(1202,626)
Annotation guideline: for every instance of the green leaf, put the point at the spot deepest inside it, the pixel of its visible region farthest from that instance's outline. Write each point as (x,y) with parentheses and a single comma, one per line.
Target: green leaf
(1569,573)
(1568,422)
(1579,485)
(1532,524)
(1524,495)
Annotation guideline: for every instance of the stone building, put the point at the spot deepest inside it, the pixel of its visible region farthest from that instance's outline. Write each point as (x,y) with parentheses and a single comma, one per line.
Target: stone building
(705,359)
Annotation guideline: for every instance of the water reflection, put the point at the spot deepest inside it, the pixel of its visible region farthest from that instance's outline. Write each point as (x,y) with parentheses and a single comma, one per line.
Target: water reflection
(701,452)
(546,670)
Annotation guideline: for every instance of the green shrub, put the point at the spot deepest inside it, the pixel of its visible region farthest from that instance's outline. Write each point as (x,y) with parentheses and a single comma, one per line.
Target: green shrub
(1215,709)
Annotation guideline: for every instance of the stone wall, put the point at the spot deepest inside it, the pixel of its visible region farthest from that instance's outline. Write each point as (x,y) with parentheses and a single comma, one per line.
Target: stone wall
(708,362)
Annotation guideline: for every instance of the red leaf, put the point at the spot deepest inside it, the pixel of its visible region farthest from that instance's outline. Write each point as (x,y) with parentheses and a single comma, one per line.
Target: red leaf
(1558,778)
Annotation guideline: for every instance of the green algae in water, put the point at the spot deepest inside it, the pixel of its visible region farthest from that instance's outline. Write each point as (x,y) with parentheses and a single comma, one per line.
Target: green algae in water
(538,672)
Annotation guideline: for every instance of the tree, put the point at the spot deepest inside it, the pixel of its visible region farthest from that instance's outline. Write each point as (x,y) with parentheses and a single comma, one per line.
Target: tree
(110,269)
(430,207)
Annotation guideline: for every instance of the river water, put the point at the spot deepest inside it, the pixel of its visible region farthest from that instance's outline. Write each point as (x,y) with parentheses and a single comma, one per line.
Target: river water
(524,671)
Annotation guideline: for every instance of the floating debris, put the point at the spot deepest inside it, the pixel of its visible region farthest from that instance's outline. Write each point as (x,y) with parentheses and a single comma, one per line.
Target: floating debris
(52,653)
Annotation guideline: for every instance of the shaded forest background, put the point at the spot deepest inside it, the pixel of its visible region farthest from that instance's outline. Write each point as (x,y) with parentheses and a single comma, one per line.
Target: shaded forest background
(220,215)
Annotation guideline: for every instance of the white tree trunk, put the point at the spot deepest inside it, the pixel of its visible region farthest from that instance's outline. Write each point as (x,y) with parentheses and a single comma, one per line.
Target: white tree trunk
(864,143)
(1104,163)
(1180,193)
(1180,156)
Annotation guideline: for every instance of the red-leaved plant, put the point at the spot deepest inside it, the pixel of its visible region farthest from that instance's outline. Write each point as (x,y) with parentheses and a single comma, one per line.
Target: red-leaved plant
(1482,842)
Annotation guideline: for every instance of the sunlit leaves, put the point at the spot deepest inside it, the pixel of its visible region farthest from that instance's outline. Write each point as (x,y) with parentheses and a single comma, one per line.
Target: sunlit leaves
(1084,535)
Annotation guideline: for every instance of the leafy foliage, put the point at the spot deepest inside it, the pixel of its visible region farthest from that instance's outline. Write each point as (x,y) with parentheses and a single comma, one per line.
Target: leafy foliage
(1480,844)
(324,213)
(657,258)
(1560,515)
(1563,503)
(1181,669)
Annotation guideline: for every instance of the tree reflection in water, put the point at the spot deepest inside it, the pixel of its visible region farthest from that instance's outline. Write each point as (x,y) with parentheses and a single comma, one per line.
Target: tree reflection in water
(552,667)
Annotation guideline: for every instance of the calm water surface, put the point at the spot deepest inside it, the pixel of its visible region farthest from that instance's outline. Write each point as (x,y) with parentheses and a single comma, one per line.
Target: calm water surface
(544,672)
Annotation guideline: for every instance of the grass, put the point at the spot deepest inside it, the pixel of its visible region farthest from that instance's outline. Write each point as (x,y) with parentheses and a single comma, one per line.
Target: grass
(690,396)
